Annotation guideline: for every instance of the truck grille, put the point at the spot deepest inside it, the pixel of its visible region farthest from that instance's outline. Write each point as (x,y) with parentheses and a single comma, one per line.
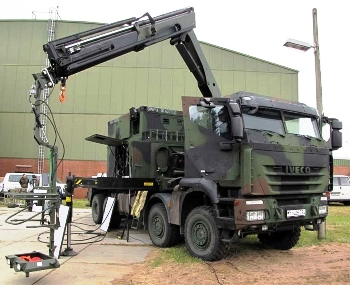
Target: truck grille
(282,180)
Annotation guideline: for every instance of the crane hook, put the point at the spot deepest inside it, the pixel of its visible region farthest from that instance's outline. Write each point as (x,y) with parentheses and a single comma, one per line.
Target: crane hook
(62,96)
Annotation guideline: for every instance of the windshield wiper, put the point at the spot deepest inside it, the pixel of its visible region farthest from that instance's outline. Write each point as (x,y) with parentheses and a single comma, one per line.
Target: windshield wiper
(306,136)
(269,132)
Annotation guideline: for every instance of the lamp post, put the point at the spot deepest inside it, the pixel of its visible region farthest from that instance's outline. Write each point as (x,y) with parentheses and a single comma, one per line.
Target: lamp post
(303,46)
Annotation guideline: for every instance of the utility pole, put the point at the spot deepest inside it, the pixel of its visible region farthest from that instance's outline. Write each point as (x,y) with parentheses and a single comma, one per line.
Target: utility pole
(321,234)
(317,65)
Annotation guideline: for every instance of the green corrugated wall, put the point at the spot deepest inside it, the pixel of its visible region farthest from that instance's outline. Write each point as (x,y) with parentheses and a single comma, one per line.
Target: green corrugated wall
(341,162)
(156,76)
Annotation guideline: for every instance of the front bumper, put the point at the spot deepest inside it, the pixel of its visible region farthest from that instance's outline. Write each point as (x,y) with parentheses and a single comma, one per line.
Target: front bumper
(276,215)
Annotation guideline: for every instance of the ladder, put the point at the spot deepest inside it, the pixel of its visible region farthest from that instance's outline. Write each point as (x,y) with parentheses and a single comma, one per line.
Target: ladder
(43,107)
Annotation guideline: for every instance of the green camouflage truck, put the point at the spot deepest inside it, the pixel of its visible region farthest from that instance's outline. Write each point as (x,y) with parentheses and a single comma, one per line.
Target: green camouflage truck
(220,169)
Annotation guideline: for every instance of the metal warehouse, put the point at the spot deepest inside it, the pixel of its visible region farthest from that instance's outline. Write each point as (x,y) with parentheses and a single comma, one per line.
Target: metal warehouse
(156,76)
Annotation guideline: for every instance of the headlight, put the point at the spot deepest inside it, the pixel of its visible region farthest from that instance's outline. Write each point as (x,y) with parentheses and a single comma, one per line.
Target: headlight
(18,266)
(322,209)
(255,216)
(8,261)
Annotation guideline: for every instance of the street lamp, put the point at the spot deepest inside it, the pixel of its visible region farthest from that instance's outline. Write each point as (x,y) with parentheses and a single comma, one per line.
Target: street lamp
(303,46)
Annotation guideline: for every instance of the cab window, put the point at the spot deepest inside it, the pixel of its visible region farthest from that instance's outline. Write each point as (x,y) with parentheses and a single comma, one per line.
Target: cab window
(215,119)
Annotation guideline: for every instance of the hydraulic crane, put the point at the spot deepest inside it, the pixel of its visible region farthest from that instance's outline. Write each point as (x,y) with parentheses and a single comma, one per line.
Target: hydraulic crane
(81,51)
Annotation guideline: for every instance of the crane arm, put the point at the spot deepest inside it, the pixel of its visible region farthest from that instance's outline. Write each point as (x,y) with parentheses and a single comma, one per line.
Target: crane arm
(75,53)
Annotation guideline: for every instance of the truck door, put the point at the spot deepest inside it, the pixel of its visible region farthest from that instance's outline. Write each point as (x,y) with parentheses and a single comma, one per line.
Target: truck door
(207,129)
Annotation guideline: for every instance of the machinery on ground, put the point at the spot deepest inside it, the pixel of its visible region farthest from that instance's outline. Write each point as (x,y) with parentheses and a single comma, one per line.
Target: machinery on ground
(220,169)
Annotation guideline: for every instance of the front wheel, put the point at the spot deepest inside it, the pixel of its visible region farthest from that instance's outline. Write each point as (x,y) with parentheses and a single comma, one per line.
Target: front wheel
(161,232)
(202,236)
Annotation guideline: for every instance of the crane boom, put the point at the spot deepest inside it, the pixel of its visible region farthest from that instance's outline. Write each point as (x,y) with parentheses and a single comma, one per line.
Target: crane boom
(81,51)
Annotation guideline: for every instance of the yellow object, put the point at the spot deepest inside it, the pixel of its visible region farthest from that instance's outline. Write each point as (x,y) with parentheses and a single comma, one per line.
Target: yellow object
(139,203)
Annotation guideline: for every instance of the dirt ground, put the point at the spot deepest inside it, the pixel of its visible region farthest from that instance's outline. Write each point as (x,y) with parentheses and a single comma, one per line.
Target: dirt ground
(321,264)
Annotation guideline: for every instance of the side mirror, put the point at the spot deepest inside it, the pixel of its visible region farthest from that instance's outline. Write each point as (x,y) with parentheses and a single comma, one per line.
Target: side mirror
(236,110)
(336,124)
(237,127)
(236,122)
(336,139)
(336,135)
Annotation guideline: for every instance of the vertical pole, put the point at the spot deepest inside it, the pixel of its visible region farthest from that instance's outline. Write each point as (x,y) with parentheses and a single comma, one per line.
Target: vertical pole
(317,65)
(322,227)
(53,211)
(69,202)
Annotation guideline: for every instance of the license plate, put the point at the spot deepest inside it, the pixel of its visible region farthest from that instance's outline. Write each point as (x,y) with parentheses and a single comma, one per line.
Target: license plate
(296,213)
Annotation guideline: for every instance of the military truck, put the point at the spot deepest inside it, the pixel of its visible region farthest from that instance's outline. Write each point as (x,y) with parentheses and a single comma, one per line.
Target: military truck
(220,169)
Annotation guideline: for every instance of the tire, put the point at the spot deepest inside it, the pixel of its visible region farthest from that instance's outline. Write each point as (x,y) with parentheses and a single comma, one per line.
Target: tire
(202,236)
(161,232)
(264,238)
(97,208)
(346,203)
(284,240)
(105,203)
(115,220)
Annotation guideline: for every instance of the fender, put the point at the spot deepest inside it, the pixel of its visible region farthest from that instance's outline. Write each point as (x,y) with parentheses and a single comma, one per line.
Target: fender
(164,197)
(209,187)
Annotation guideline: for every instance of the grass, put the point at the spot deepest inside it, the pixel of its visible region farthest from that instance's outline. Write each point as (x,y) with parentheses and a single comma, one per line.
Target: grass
(178,254)
(79,203)
(337,227)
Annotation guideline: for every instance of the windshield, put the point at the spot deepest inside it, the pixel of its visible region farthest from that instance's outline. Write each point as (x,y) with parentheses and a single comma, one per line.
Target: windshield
(300,125)
(272,120)
(263,119)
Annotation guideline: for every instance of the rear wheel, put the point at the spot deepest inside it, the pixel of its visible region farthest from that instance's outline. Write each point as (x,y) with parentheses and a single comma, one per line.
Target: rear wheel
(283,240)
(97,208)
(115,220)
(202,236)
(115,217)
(161,232)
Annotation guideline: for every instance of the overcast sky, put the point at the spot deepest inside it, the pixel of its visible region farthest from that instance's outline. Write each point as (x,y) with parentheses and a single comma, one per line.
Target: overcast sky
(254,27)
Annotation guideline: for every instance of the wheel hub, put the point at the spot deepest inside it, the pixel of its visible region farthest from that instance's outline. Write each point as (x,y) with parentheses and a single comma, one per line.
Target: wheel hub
(200,235)
(158,226)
